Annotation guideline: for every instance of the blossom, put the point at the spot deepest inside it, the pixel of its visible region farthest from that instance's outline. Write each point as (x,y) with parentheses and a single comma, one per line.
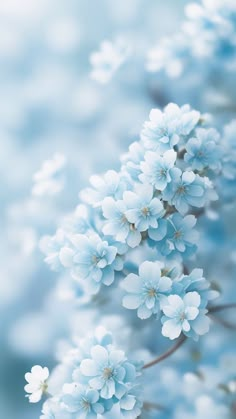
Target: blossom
(157,170)
(37,383)
(108,59)
(195,281)
(49,180)
(118,224)
(131,160)
(91,259)
(52,409)
(111,184)
(146,291)
(108,371)
(165,129)
(180,236)
(51,246)
(143,210)
(202,151)
(184,315)
(81,400)
(187,189)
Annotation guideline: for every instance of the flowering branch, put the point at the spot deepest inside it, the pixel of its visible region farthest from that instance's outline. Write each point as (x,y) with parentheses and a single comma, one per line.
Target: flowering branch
(183,338)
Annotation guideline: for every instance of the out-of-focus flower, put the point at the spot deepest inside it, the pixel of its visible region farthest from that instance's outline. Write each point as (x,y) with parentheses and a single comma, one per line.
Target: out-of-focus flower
(49,180)
(202,151)
(108,59)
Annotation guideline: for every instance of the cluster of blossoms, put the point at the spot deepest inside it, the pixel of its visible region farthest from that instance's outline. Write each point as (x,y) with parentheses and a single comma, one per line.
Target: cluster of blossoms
(181,300)
(207,33)
(99,380)
(166,180)
(129,247)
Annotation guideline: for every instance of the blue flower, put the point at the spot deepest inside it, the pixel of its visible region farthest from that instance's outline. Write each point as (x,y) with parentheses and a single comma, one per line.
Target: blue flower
(108,371)
(91,259)
(81,400)
(118,224)
(51,246)
(146,291)
(165,129)
(143,210)
(157,170)
(52,409)
(202,151)
(184,315)
(180,236)
(187,189)
(195,281)
(111,184)
(130,406)
(131,160)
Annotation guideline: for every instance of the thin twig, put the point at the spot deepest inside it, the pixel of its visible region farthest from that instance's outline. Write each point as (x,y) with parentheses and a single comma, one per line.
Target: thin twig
(223,322)
(152,406)
(221,307)
(166,354)
(183,338)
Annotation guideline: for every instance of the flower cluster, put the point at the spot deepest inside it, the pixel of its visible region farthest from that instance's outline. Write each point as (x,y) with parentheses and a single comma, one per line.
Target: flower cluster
(101,379)
(166,180)
(207,33)
(181,300)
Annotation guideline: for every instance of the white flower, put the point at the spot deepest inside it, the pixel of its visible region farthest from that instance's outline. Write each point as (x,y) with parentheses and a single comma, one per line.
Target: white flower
(37,383)
(49,180)
(106,61)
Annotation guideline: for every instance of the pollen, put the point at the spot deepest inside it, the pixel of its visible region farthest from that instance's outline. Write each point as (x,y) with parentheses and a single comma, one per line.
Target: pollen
(152,292)
(107,373)
(145,211)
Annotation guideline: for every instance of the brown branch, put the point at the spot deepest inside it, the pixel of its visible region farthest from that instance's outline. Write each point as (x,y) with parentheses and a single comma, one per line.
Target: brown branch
(183,338)
(168,353)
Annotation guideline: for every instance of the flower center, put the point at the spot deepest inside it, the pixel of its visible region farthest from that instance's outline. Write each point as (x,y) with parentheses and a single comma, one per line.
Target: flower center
(86,404)
(152,292)
(162,172)
(178,234)
(107,373)
(145,211)
(182,316)
(95,259)
(123,219)
(181,190)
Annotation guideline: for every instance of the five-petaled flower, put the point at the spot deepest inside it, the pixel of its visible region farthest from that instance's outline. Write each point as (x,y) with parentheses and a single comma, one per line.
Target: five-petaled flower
(146,291)
(184,315)
(37,383)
